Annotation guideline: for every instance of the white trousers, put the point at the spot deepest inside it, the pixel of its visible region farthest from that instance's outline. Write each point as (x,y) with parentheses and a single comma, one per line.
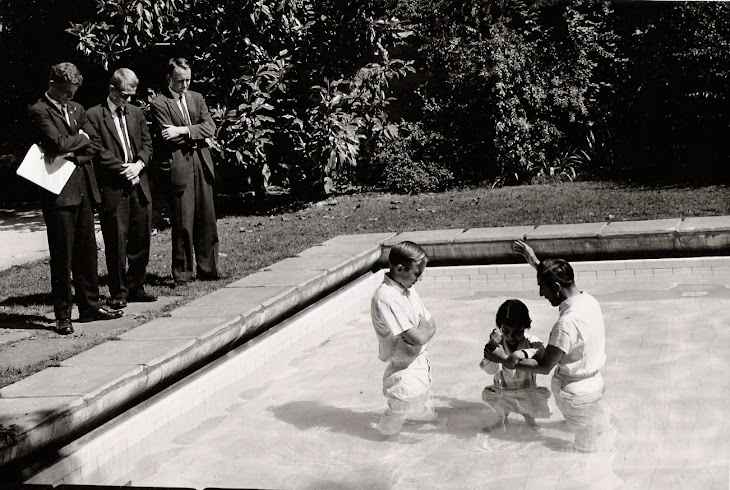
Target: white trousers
(407,387)
(582,405)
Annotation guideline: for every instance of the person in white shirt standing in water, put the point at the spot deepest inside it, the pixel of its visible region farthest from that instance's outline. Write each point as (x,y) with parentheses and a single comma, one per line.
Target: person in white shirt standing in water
(577,346)
(404,327)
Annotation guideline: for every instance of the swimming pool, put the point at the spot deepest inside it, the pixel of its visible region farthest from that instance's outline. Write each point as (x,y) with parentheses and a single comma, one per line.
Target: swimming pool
(294,408)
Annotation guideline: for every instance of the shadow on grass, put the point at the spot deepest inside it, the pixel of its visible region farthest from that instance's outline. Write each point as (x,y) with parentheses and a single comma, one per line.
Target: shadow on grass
(245,204)
(153,279)
(38,299)
(20,321)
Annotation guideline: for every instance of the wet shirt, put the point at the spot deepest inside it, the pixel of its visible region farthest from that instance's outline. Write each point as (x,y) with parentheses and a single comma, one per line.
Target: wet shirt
(394,310)
(514,379)
(581,334)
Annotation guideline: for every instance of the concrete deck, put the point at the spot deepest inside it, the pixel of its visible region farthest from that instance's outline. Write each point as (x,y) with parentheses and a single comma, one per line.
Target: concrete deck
(60,403)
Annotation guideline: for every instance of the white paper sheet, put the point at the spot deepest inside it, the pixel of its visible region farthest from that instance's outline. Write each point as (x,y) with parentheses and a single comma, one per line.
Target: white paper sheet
(51,175)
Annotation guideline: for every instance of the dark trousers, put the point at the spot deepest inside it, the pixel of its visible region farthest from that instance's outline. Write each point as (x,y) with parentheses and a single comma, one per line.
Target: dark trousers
(194,227)
(72,247)
(127,231)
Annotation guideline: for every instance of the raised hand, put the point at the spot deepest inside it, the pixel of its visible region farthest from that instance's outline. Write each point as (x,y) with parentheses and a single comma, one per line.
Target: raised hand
(527,252)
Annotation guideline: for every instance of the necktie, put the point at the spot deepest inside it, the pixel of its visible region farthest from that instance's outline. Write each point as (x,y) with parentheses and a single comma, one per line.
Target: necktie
(127,145)
(65,114)
(184,110)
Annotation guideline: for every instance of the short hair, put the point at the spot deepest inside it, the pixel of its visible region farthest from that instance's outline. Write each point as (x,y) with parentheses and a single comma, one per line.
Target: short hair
(406,252)
(513,312)
(556,270)
(177,63)
(124,77)
(65,72)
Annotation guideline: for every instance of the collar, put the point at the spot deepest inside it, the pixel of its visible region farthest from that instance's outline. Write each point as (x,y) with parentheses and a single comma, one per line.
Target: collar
(175,95)
(112,106)
(568,302)
(397,285)
(58,105)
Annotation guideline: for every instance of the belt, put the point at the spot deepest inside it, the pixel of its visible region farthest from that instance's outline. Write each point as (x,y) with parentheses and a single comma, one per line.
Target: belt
(575,377)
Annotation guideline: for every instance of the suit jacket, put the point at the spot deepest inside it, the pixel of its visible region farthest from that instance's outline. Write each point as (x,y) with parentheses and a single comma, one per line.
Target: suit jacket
(110,159)
(176,154)
(56,137)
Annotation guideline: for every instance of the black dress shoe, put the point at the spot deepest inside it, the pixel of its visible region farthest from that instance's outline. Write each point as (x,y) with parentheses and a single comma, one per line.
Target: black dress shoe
(203,276)
(141,297)
(100,314)
(64,327)
(117,303)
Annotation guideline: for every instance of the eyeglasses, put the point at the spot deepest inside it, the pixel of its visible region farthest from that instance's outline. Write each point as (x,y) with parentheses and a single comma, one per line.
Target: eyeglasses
(125,94)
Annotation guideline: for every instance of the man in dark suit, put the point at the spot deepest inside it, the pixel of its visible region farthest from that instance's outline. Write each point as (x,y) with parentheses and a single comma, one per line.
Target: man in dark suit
(126,200)
(61,128)
(183,120)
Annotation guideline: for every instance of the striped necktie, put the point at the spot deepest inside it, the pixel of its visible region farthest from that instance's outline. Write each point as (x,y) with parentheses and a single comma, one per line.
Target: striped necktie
(64,109)
(184,110)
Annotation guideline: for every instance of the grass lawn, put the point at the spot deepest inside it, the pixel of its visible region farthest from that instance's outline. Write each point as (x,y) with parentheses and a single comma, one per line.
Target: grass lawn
(251,239)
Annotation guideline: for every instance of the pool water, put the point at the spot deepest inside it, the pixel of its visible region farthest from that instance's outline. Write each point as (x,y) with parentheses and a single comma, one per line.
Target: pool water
(304,418)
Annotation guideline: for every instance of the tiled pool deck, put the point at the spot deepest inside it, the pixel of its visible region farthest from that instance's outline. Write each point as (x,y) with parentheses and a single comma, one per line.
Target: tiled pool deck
(62,402)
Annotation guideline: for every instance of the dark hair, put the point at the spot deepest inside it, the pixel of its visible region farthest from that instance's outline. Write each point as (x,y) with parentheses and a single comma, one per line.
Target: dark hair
(406,252)
(556,270)
(177,63)
(513,312)
(66,72)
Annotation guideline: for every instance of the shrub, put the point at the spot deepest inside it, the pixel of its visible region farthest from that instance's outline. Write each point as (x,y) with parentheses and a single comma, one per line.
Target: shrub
(410,163)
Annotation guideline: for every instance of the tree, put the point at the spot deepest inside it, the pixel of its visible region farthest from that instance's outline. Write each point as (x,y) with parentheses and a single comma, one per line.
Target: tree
(262,61)
(512,84)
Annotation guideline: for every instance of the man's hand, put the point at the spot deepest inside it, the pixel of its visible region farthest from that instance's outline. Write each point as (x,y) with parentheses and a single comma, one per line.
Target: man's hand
(131,171)
(495,338)
(526,251)
(171,132)
(513,359)
(422,333)
(428,325)
(410,349)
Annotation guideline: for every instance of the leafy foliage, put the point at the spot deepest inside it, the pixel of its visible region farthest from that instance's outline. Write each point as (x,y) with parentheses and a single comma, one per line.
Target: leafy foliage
(404,166)
(518,81)
(266,67)
(316,91)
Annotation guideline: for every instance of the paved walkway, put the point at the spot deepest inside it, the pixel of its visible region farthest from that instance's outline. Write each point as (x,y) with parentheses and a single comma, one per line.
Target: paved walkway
(22,235)
(23,240)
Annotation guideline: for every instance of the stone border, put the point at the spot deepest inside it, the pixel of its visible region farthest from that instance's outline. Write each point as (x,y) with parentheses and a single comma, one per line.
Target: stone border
(86,390)
(680,237)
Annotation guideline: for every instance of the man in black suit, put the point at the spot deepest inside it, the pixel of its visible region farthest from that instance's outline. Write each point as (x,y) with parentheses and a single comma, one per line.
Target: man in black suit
(183,120)
(126,200)
(61,129)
